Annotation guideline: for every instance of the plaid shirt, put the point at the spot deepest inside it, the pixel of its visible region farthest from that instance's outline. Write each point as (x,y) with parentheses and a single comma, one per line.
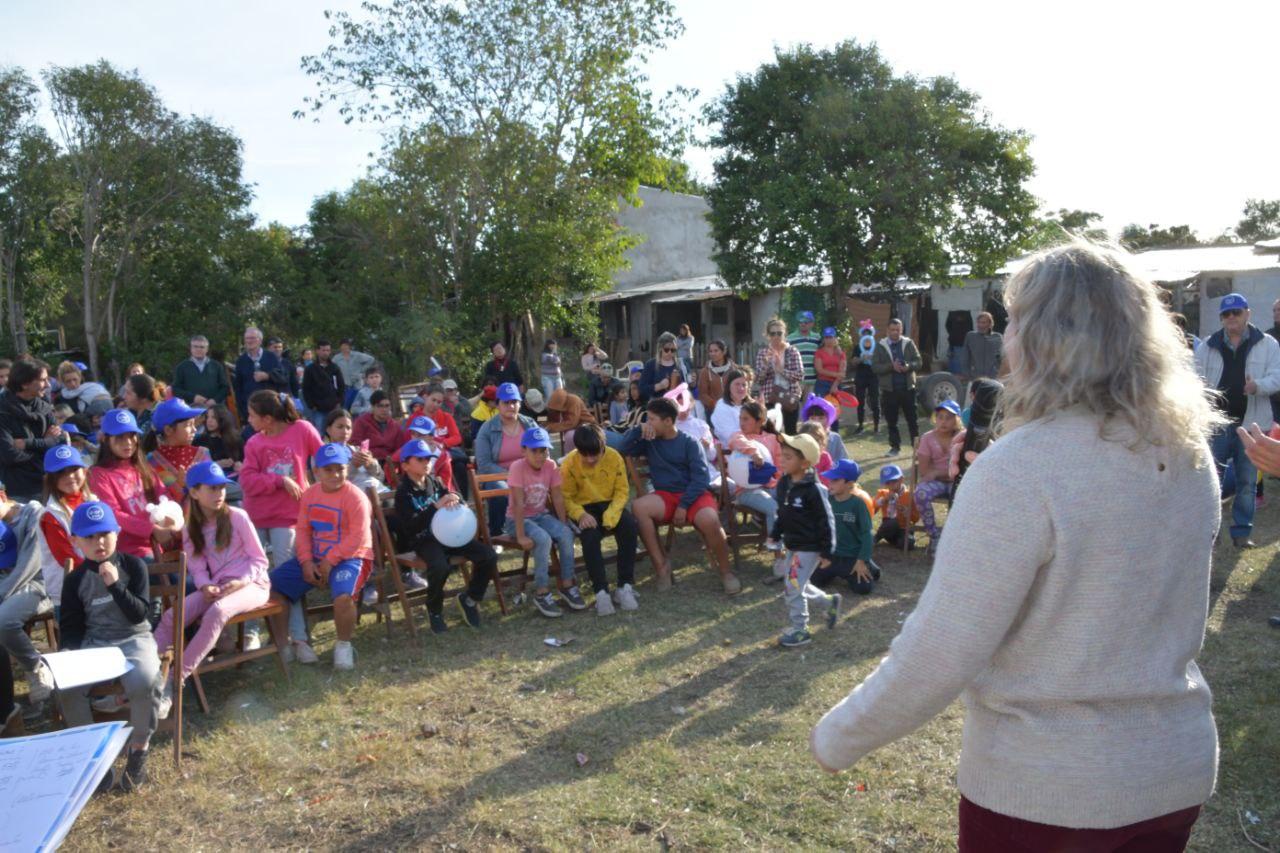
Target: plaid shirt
(793,370)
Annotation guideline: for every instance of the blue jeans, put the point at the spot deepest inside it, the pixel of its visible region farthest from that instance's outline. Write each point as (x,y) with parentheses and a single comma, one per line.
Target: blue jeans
(545,529)
(1228,450)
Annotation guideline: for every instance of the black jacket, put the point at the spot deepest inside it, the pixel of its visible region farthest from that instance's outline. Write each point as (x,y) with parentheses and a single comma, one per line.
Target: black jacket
(23,470)
(323,386)
(131,594)
(415,507)
(270,364)
(804,521)
(510,372)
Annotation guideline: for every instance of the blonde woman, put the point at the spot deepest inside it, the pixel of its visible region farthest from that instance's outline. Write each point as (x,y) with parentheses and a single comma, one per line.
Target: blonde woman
(1063,606)
(780,372)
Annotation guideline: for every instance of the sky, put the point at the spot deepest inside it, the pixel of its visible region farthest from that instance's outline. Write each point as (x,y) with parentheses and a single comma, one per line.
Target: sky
(1139,111)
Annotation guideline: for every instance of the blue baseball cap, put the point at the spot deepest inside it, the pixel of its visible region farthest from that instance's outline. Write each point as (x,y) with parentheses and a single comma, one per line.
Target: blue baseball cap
(417,448)
(206,474)
(61,458)
(1233,302)
(536,437)
(71,429)
(845,469)
(805,316)
(889,473)
(331,454)
(830,332)
(173,411)
(93,517)
(8,547)
(120,422)
(948,406)
(80,365)
(508,391)
(422,424)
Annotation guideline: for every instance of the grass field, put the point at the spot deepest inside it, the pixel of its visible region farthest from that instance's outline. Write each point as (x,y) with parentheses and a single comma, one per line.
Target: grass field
(681,725)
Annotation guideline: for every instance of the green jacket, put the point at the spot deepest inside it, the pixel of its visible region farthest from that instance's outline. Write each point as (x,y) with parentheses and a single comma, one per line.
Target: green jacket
(210,383)
(882,361)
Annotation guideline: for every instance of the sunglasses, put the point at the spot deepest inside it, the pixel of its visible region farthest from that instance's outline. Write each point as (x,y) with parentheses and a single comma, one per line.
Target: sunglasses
(668,349)
(1234,312)
(775,334)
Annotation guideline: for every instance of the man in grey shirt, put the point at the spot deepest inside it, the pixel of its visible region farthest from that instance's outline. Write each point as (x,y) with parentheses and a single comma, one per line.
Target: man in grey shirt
(982,350)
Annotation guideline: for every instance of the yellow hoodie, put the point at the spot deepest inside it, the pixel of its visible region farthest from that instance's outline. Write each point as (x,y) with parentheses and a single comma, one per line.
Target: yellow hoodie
(605,481)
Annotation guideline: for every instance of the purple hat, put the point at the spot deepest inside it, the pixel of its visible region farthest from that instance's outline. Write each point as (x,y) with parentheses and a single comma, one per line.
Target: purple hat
(815,402)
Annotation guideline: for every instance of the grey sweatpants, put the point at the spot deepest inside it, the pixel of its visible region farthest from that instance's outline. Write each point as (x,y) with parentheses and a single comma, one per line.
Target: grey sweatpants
(142,685)
(797,590)
(14,613)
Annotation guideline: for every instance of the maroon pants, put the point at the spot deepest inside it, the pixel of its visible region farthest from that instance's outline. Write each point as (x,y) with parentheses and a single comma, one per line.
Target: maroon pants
(985,831)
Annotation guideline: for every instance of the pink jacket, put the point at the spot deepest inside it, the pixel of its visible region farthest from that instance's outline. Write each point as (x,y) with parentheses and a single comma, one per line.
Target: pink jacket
(118,485)
(243,558)
(267,461)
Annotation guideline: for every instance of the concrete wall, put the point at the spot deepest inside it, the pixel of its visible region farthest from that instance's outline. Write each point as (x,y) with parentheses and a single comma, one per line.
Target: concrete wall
(677,239)
(966,296)
(1260,287)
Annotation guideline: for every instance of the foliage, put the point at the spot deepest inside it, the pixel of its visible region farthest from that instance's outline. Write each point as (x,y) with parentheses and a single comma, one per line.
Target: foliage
(1054,228)
(834,165)
(1261,220)
(1135,238)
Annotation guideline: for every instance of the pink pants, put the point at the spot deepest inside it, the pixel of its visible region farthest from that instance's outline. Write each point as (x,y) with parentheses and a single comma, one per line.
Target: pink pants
(213,617)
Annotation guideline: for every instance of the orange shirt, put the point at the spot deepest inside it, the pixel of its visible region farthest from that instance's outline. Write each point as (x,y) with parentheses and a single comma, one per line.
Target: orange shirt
(906,508)
(334,526)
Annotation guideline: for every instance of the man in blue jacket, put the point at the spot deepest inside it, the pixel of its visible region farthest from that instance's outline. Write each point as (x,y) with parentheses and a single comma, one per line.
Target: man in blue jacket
(681,491)
(257,368)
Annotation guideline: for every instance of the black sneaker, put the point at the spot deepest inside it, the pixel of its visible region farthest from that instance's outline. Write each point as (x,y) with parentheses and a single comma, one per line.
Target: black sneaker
(547,605)
(470,612)
(875,570)
(437,623)
(1274,621)
(135,771)
(833,610)
(574,599)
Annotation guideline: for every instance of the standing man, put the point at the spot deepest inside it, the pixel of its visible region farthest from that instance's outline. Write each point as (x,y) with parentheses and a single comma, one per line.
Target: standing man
(277,346)
(807,341)
(256,368)
(199,380)
(1243,365)
(895,362)
(353,364)
(502,368)
(323,386)
(982,348)
(1274,332)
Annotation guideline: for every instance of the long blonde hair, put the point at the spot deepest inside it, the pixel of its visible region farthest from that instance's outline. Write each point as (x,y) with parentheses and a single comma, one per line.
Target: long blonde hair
(1088,332)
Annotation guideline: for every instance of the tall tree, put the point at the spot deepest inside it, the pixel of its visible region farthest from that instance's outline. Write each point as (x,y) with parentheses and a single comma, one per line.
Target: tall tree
(1136,238)
(832,164)
(1064,224)
(1261,220)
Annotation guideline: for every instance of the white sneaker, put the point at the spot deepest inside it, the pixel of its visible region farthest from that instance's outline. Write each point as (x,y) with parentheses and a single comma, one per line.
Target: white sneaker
(369,598)
(604,607)
(625,597)
(344,656)
(252,640)
(166,701)
(287,653)
(109,704)
(413,580)
(39,683)
(303,652)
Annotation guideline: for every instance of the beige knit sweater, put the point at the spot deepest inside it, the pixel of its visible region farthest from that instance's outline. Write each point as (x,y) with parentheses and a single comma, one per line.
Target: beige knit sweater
(1066,606)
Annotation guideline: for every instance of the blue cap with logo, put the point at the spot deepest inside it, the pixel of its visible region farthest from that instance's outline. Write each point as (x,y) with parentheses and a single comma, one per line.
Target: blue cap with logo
(71,429)
(1233,302)
(61,458)
(120,422)
(805,316)
(845,469)
(332,454)
(8,547)
(173,411)
(536,437)
(93,517)
(206,474)
(422,424)
(889,473)
(948,406)
(830,332)
(419,449)
(508,391)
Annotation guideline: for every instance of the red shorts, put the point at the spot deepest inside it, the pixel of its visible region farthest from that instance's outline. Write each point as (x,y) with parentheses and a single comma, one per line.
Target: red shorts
(671,501)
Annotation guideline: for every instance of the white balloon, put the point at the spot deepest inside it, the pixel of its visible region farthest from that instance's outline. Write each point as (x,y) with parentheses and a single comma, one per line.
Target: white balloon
(454,527)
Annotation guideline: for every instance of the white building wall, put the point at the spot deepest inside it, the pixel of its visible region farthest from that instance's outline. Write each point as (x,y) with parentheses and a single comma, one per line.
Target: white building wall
(676,238)
(1260,287)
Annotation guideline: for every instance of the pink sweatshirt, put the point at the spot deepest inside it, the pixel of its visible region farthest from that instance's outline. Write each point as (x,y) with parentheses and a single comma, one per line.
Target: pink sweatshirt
(118,485)
(937,455)
(242,558)
(267,461)
(334,526)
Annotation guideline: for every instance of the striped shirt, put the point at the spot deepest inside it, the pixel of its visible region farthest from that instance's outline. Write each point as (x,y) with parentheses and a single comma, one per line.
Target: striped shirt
(808,345)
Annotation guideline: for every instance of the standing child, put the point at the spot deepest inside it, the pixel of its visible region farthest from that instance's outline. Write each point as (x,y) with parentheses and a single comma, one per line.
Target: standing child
(226,563)
(851,509)
(552,378)
(534,480)
(419,496)
(897,508)
(363,401)
(172,444)
(105,601)
(806,528)
(334,548)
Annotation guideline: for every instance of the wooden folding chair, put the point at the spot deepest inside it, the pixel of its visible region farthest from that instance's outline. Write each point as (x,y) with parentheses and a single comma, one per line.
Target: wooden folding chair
(638,473)
(735,514)
(49,623)
(482,491)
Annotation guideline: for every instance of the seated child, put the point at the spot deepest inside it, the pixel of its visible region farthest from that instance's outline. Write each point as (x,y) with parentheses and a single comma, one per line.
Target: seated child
(818,433)
(363,401)
(897,508)
(484,407)
(225,562)
(807,530)
(534,480)
(596,491)
(334,547)
(419,496)
(822,411)
(619,411)
(22,591)
(851,508)
(105,601)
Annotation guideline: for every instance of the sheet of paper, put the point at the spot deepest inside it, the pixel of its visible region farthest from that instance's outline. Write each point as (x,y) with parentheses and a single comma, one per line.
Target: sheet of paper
(86,666)
(45,780)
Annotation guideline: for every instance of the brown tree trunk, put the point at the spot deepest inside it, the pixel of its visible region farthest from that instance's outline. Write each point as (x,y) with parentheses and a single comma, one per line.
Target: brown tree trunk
(88,237)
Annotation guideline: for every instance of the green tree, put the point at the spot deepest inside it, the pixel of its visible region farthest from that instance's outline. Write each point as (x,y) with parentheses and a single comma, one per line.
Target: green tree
(1135,238)
(833,164)
(1064,224)
(1261,220)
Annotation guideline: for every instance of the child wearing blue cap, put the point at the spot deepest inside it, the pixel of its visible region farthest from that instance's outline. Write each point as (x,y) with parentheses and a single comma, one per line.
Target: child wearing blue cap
(171,444)
(124,480)
(535,482)
(851,509)
(66,486)
(333,548)
(22,590)
(934,458)
(105,602)
(896,506)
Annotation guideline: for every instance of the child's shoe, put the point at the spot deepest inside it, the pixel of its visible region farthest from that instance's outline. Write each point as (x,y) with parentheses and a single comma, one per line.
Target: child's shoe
(135,771)
(413,580)
(574,599)
(795,637)
(547,605)
(604,606)
(344,656)
(369,598)
(166,700)
(470,612)
(437,623)
(833,609)
(303,653)
(252,639)
(39,683)
(732,586)
(625,597)
(111,704)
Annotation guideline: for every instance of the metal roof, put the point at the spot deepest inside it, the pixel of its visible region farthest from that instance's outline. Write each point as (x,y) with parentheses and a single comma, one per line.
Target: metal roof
(1182,264)
(699,284)
(698,296)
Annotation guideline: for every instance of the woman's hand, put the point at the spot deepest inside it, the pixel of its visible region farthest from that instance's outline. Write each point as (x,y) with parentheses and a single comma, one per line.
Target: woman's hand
(1262,450)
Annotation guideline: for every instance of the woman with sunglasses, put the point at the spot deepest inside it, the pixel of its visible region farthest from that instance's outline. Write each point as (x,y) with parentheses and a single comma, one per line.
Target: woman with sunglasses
(780,373)
(498,445)
(664,371)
